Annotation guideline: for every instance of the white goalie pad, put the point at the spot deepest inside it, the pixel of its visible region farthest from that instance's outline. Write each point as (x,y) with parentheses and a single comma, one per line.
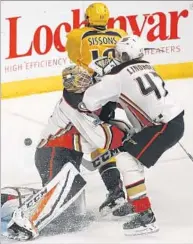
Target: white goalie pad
(48,203)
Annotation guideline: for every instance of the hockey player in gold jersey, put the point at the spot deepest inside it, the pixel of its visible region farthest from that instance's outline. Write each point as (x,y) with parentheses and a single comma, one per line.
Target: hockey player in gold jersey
(84,45)
(95,40)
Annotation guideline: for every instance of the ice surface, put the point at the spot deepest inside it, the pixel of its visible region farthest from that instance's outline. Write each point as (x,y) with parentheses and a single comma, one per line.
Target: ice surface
(170,182)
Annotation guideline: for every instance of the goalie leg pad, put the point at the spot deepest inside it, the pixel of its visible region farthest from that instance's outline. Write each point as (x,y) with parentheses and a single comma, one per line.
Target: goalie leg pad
(43,207)
(50,160)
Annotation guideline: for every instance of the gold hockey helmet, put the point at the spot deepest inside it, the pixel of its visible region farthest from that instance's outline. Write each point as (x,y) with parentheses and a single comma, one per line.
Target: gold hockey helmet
(97,14)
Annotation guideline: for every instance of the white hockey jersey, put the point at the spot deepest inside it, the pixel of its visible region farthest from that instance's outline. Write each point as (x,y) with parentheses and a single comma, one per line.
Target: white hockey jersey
(80,131)
(139,90)
(63,118)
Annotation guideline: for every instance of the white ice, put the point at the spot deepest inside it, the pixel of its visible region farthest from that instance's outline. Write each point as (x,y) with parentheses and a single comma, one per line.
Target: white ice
(170,182)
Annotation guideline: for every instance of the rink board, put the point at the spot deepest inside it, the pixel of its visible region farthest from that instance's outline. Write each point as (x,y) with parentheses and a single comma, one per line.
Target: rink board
(34,52)
(54,83)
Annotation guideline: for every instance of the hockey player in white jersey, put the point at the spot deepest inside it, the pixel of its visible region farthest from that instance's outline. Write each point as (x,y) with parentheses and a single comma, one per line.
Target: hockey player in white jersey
(68,135)
(156,118)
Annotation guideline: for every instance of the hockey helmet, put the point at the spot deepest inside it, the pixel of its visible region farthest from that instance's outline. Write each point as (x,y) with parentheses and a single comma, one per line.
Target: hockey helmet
(76,79)
(97,14)
(129,48)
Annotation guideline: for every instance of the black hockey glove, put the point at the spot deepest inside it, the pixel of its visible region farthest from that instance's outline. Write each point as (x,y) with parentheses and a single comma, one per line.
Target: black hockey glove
(108,111)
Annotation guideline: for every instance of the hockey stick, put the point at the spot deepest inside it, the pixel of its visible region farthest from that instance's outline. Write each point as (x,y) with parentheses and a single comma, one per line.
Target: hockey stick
(103,158)
(100,160)
(186,152)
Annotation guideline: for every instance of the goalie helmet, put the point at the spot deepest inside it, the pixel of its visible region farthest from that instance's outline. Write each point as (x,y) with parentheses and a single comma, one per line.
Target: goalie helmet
(129,48)
(97,14)
(76,79)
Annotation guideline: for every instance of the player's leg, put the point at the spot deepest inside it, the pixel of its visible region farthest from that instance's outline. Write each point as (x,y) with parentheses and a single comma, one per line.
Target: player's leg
(149,145)
(47,157)
(153,141)
(115,201)
(62,185)
(141,217)
(107,136)
(112,180)
(50,160)
(47,204)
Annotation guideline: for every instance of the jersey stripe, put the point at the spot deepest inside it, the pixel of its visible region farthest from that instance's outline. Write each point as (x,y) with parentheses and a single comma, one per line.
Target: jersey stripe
(140,114)
(96,32)
(151,141)
(51,162)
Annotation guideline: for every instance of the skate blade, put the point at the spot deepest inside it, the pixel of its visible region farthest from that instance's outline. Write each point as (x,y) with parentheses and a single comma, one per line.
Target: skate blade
(149,229)
(108,210)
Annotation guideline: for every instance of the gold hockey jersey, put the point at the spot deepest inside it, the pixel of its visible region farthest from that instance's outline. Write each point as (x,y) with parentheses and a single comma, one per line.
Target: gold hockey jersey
(88,43)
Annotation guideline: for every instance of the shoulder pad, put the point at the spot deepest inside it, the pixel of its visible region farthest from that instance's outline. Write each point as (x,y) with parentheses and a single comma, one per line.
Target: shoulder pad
(79,32)
(119,31)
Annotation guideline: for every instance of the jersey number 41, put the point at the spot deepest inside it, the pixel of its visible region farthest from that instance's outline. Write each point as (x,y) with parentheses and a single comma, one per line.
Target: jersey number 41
(158,90)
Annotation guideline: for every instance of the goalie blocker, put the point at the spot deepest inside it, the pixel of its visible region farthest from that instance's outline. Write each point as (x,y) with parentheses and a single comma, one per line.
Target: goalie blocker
(47,204)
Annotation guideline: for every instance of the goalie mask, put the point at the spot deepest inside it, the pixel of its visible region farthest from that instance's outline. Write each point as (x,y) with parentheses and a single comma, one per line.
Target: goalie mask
(76,79)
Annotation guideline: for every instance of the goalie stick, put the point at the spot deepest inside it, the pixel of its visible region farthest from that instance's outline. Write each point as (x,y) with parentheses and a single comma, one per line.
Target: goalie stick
(104,157)
(100,160)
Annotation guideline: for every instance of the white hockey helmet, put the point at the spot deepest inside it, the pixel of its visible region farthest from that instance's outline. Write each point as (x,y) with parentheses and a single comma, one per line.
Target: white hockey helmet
(129,48)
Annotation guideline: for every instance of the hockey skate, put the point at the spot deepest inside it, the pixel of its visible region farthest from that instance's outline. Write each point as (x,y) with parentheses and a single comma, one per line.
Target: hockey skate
(140,224)
(115,204)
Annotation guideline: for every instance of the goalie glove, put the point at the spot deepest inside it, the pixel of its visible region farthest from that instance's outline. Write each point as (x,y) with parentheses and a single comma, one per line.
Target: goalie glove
(102,66)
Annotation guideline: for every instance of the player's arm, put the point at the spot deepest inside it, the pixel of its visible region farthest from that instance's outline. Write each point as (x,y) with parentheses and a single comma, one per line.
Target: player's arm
(108,90)
(108,111)
(73,44)
(122,32)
